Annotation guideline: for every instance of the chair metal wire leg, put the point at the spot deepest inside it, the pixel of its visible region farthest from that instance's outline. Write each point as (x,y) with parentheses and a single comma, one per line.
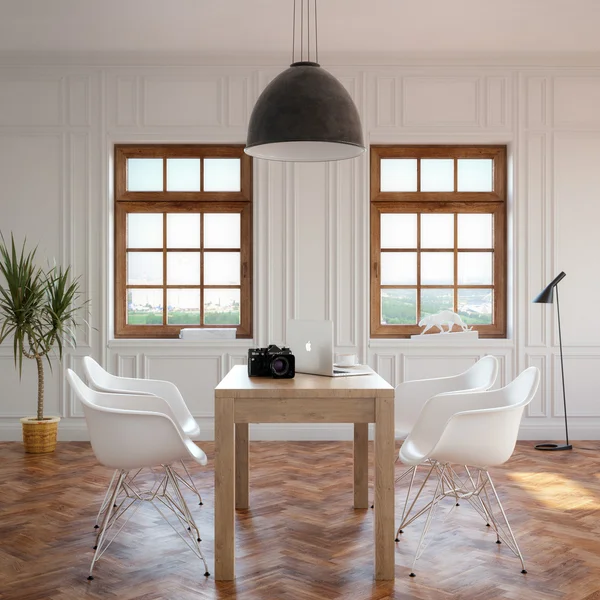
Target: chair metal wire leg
(506,535)
(106,497)
(413,472)
(408,517)
(104,528)
(432,506)
(189,482)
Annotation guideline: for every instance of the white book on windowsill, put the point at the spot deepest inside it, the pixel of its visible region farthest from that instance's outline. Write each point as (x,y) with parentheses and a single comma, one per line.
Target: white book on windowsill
(444,338)
(217,333)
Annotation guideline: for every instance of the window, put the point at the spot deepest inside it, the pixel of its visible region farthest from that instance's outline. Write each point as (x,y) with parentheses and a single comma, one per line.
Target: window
(183,239)
(438,237)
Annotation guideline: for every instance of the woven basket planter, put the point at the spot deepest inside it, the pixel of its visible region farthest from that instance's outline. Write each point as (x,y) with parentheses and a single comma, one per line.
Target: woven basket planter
(39,437)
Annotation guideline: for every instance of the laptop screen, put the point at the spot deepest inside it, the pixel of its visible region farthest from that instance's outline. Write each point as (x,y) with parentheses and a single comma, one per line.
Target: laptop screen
(311,342)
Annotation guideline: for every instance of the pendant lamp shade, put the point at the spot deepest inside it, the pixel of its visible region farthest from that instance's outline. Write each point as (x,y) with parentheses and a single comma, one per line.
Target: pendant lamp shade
(305,114)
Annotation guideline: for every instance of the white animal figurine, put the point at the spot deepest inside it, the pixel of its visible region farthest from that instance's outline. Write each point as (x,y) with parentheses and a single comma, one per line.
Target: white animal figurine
(438,320)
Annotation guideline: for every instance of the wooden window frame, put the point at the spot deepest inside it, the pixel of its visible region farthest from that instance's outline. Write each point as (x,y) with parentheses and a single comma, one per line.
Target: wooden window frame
(127,202)
(439,202)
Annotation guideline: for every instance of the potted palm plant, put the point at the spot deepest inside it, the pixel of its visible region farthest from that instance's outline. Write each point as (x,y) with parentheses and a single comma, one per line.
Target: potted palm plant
(39,310)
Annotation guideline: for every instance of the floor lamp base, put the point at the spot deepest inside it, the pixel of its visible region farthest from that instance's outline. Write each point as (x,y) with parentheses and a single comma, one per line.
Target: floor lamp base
(554,447)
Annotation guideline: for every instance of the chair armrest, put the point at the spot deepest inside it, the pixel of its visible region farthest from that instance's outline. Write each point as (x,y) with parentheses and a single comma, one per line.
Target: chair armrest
(130,439)
(482,438)
(136,402)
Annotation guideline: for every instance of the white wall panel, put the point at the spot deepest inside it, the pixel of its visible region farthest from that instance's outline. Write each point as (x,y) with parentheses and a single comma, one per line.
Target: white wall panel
(499,102)
(537,102)
(177,102)
(31,102)
(275,211)
(31,170)
(345,260)
(238,110)
(539,406)
(441,101)
(576,242)
(78,100)
(576,101)
(195,376)
(385,365)
(537,238)
(127,365)
(386,91)
(311,219)
(582,382)
(123,109)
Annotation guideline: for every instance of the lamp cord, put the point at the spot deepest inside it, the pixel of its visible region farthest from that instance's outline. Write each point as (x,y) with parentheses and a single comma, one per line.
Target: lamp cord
(294,34)
(316,35)
(562,368)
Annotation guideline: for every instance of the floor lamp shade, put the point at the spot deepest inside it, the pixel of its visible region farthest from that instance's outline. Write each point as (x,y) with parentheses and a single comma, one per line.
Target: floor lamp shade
(306,115)
(546,296)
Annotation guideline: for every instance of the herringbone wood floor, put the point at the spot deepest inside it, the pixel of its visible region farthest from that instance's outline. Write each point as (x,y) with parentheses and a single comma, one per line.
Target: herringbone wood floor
(301,539)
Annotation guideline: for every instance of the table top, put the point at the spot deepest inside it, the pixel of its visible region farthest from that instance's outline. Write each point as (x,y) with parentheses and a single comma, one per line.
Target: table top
(237,384)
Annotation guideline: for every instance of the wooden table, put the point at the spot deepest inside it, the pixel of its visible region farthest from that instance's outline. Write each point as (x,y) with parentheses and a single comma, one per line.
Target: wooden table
(361,400)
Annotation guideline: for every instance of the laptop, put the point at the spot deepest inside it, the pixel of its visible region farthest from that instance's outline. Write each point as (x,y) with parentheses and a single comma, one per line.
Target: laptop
(311,343)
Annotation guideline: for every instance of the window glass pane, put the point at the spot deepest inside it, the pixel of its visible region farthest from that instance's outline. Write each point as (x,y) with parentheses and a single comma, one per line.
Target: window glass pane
(144,230)
(437,268)
(475,175)
(398,307)
(398,175)
(144,174)
(474,268)
(398,230)
(437,231)
(432,301)
(183,230)
(183,268)
(221,307)
(221,268)
(222,230)
(183,307)
(144,307)
(437,175)
(398,268)
(222,175)
(475,306)
(475,231)
(144,268)
(183,174)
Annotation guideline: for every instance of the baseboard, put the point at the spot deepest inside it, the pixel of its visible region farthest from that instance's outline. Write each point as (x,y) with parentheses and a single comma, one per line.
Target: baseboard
(76,431)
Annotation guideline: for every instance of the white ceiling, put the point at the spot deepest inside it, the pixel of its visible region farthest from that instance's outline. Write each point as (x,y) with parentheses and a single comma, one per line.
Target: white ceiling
(218,28)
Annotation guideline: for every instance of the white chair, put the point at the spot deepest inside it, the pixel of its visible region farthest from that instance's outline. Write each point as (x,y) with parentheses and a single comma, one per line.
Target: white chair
(101,380)
(411,396)
(130,440)
(477,429)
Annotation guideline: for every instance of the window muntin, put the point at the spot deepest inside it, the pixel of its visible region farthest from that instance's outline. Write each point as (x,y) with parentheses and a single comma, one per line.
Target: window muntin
(183,252)
(440,244)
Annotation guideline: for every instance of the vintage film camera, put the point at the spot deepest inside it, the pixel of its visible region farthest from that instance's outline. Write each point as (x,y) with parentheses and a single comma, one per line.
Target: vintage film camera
(271,362)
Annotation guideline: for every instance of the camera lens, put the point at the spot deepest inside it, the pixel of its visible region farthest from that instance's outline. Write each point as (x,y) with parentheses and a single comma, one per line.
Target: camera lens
(280,366)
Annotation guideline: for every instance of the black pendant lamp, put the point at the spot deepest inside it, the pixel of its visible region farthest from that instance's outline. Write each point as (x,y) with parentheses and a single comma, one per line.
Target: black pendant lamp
(305,114)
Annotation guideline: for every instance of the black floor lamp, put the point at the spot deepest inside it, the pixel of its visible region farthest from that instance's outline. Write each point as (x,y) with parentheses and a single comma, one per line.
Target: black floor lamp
(546,296)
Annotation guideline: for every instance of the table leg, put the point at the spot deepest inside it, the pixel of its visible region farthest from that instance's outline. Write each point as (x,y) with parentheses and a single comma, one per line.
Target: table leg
(224,489)
(361,465)
(241,465)
(384,488)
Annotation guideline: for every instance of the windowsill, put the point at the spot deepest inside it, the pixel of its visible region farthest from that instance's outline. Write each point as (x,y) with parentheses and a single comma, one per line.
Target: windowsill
(177,343)
(457,343)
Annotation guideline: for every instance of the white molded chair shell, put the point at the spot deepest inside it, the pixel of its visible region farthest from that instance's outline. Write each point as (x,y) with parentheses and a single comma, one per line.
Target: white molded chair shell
(412,395)
(102,380)
(472,428)
(131,439)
